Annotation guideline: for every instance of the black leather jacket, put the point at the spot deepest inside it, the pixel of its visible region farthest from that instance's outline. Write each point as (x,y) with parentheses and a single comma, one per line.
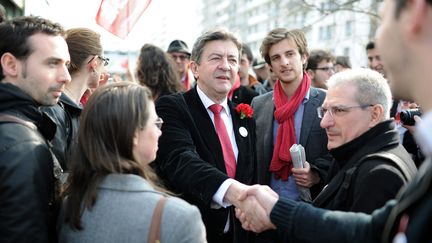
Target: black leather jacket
(66,116)
(27,206)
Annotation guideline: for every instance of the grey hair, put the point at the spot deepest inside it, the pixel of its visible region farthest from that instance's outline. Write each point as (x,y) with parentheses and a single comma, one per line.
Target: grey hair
(212,35)
(372,87)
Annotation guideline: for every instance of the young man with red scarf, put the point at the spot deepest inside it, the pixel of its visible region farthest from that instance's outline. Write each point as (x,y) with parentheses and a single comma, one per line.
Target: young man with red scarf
(287,116)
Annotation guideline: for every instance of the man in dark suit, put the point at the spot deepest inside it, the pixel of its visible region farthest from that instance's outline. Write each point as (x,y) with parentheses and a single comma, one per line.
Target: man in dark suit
(207,163)
(289,113)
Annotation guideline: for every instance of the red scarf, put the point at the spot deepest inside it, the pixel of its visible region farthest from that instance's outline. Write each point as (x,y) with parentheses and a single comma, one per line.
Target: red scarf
(235,86)
(281,163)
(186,81)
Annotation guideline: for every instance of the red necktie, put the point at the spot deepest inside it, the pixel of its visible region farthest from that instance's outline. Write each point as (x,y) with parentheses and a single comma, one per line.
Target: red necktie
(228,153)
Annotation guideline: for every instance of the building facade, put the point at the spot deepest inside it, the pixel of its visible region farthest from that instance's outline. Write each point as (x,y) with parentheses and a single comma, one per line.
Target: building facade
(343,27)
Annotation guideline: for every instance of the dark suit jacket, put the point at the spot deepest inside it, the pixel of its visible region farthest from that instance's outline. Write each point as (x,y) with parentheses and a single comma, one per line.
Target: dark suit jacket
(190,158)
(312,137)
(243,95)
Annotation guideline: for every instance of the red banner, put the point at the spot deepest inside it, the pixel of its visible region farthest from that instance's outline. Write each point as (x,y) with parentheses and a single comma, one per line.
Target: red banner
(119,16)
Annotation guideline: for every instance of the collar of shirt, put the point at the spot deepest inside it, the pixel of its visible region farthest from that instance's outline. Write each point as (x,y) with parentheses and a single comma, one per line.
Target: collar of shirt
(207,102)
(306,98)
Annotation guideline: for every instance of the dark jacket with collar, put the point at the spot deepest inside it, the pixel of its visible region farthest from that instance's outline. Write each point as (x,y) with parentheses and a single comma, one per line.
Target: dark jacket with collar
(190,158)
(363,185)
(66,115)
(27,207)
(304,222)
(243,95)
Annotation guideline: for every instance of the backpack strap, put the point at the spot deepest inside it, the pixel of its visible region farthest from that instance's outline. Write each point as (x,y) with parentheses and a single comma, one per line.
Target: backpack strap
(14,119)
(407,171)
(57,169)
(154,234)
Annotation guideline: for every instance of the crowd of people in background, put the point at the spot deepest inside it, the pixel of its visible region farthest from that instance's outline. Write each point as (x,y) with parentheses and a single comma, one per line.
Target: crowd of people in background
(197,145)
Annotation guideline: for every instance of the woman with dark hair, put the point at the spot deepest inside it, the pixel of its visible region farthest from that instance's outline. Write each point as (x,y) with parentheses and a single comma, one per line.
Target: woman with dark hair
(112,192)
(155,69)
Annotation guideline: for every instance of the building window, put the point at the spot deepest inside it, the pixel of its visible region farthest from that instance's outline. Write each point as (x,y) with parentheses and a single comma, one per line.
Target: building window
(321,33)
(346,51)
(329,32)
(348,28)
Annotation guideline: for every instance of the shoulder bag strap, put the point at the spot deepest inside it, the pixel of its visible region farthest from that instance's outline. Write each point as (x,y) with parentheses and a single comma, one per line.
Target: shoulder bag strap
(154,235)
(407,171)
(57,169)
(14,119)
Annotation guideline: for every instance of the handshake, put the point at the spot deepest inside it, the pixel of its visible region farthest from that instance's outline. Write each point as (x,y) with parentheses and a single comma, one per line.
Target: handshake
(255,203)
(253,207)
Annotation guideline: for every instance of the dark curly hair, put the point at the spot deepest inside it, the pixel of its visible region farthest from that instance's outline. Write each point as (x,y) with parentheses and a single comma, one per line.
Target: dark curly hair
(155,69)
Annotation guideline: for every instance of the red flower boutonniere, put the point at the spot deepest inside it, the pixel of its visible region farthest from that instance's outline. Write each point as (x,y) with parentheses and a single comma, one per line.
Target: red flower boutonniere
(244,110)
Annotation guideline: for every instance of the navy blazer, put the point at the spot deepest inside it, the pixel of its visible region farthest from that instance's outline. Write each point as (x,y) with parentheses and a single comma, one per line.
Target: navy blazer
(312,137)
(190,158)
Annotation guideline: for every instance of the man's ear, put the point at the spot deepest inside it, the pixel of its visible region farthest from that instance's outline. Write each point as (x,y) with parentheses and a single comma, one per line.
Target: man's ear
(304,58)
(93,64)
(419,15)
(9,64)
(194,69)
(311,73)
(135,139)
(377,115)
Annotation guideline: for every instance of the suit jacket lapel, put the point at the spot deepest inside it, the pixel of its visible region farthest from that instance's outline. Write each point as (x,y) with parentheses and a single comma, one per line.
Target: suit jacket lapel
(241,145)
(309,115)
(205,127)
(268,133)
(329,190)
(243,141)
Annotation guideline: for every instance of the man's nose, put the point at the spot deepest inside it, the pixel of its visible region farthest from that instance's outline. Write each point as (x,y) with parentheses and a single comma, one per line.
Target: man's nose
(284,60)
(64,76)
(327,120)
(224,64)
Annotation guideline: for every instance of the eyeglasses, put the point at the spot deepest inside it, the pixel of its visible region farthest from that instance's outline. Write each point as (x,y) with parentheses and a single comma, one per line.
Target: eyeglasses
(159,123)
(182,57)
(325,69)
(104,60)
(338,110)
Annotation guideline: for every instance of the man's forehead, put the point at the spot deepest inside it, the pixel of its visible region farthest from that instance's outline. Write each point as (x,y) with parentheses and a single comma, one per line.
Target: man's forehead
(178,53)
(284,45)
(372,51)
(221,47)
(338,99)
(326,62)
(53,46)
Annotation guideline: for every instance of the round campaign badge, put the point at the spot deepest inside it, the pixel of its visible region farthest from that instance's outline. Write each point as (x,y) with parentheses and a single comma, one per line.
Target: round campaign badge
(243,132)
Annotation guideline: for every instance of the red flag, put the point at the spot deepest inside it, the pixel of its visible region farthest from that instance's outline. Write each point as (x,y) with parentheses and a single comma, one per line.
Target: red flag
(119,16)
(125,63)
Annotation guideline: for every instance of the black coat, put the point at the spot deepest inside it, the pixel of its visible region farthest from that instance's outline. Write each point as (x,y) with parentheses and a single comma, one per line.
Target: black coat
(27,209)
(66,115)
(243,95)
(375,181)
(190,158)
